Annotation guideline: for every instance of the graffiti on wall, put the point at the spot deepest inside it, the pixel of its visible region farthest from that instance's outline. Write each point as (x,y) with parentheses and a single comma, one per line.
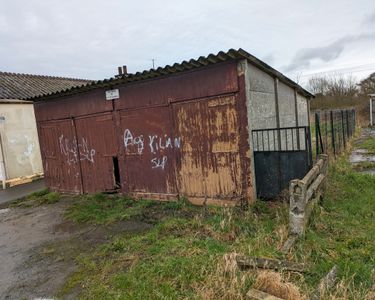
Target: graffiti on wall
(154,143)
(73,151)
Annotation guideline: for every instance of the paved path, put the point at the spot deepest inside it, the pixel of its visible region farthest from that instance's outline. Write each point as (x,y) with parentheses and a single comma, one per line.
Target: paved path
(359,155)
(19,191)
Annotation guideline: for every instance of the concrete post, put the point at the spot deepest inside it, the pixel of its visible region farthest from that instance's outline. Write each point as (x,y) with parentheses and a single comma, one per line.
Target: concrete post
(297,191)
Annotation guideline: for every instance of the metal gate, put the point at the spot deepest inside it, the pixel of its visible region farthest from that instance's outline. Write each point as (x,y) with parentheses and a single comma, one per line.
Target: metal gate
(280,155)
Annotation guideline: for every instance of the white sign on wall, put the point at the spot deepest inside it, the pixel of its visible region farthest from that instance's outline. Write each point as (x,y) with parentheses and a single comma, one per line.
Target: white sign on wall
(112,94)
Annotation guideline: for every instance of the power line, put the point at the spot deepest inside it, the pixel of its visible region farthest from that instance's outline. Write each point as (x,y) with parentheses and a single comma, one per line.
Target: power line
(347,70)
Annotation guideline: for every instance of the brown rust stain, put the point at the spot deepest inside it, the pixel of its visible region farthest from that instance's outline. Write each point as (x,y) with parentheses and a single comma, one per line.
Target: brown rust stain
(60,160)
(97,146)
(210,165)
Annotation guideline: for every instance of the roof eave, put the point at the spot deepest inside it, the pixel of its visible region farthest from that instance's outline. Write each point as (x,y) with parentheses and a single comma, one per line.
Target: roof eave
(168,70)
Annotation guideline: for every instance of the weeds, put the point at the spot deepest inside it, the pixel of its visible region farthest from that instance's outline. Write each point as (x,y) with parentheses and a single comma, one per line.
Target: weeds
(369,145)
(276,284)
(364,165)
(37,198)
(104,209)
(185,253)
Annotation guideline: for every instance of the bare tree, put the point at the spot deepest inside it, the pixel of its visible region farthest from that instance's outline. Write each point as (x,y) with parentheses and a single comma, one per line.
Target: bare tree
(318,85)
(367,85)
(336,86)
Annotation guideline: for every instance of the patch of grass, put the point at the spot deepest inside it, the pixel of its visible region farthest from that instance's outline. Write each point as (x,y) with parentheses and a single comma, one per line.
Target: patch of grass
(175,257)
(40,193)
(368,144)
(342,231)
(104,209)
(37,198)
(184,254)
(364,165)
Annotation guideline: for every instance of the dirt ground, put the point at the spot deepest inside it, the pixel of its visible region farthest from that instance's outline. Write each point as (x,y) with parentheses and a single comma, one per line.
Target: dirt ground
(38,248)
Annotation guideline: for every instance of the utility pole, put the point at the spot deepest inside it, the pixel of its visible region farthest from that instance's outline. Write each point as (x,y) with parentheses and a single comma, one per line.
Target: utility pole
(153,63)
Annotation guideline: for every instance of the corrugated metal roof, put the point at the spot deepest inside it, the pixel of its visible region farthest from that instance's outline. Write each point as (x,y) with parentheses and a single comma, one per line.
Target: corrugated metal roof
(23,86)
(177,68)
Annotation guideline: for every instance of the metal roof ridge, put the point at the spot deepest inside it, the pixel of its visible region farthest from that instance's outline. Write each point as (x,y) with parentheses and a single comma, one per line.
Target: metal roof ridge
(185,65)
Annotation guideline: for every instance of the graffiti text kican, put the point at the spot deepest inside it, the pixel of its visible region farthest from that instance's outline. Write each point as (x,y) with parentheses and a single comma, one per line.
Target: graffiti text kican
(156,145)
(71,150)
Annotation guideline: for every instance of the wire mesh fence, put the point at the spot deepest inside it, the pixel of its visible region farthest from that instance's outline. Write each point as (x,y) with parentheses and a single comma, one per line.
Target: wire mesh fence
(333,129)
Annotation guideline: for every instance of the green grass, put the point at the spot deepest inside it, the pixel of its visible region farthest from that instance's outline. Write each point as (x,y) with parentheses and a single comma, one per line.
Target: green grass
(37,198)
(364,165)
(181,256)
(342,231)
(104,209)
(174,257)
(368,144)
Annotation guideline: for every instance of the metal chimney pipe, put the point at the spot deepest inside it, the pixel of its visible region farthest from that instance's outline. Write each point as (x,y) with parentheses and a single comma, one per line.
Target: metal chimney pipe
(119,71)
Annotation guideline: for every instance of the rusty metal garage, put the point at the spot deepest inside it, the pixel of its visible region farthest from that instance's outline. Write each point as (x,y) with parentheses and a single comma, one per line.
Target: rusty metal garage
(185,130)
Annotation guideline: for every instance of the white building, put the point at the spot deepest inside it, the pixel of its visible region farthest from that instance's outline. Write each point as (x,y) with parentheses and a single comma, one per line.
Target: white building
(19,146)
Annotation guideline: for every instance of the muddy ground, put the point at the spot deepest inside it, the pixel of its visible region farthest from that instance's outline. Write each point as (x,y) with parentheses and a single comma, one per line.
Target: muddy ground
(38,248)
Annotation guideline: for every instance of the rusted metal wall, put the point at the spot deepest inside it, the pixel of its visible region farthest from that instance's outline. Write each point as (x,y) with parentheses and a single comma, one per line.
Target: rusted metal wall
(60,156)
(210,166)
(148,151)
(210,81)
(82,104)
(184,135)
(97,148)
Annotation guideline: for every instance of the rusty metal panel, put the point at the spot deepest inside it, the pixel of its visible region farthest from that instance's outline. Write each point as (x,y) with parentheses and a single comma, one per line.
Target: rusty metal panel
(214,80)
(60,156)
(98,151)
(210,166)
(148,151)
(82,104)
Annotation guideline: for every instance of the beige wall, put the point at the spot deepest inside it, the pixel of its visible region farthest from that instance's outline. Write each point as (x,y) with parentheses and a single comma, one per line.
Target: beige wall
(20,141)
(261,105)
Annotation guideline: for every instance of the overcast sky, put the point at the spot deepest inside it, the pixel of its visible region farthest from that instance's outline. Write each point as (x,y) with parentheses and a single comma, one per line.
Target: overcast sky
(90,38)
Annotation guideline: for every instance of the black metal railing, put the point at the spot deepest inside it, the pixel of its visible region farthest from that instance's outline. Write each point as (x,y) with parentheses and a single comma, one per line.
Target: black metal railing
(280,154)
(282,139)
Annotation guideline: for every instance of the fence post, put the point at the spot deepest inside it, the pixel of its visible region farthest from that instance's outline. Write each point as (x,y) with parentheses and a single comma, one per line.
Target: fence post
(316,134)
(348,129)
(343,129)
(333,134)
(308,145)
(297,192)
(326,132)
